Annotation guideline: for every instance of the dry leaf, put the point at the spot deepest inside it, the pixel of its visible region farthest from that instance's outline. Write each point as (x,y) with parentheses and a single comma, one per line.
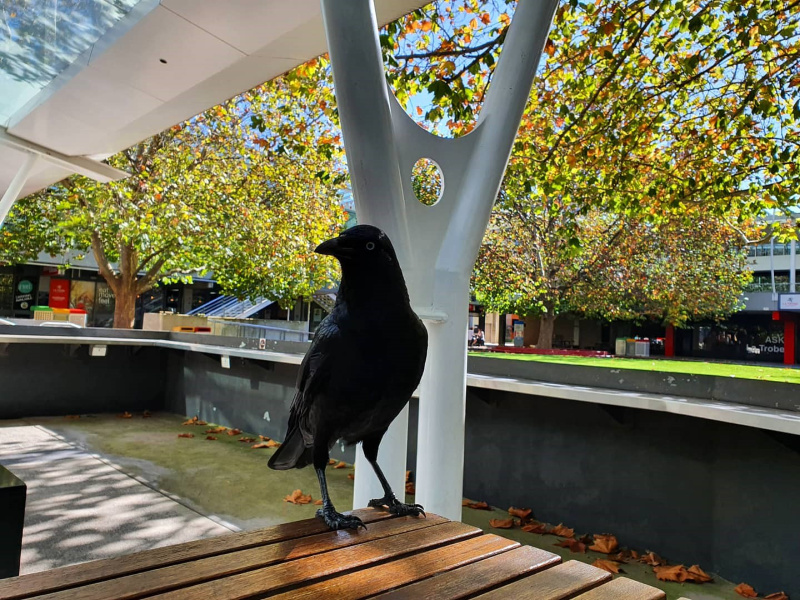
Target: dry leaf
(216,430)
(652,559)
(351,476)
(478,505)
(125,415)
(186,435)
(408,476)
(561,531)
(234,431)
(247,439)
(146,414)
(573,544)
(672,573)
(272,444)
(195,420)
(410,489)
(501,523)
(341,465)
(777,596)
(263,438)
(261,445)
(535,527)
(211,437)
(332,461)
(634,555)
(318,502)
(745,590)
(607,565)
(605,543)
(522,513)
(297,497)
(697,575)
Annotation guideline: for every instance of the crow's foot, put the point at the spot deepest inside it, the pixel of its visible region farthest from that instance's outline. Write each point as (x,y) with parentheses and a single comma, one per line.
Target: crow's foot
(396,507)
(336,520)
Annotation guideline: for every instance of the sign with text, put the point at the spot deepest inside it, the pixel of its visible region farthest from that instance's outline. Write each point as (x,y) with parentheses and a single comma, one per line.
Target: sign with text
(789,302)
(59,293)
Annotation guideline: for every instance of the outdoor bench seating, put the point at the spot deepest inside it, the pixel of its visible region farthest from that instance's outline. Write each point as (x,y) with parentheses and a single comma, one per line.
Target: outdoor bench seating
(396,557)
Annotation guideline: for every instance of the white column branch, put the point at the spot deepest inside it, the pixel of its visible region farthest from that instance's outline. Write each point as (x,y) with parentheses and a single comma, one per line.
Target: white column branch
(16,185)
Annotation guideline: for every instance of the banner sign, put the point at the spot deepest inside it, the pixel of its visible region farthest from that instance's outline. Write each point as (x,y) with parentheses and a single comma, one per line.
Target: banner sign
(789,302)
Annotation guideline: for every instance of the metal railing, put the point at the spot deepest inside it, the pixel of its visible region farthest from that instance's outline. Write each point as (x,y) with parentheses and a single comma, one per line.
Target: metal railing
(252,331)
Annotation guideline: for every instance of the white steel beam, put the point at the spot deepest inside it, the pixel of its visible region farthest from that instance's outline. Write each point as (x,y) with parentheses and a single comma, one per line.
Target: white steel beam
(436,245)
(15,187)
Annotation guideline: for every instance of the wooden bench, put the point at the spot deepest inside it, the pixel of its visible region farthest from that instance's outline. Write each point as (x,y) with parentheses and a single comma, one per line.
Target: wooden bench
(394,558)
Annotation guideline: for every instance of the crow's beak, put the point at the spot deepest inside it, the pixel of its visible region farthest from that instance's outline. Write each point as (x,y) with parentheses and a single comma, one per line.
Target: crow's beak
(334,247)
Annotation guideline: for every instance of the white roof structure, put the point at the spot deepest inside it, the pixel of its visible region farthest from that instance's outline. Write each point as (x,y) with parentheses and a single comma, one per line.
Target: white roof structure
(84,79)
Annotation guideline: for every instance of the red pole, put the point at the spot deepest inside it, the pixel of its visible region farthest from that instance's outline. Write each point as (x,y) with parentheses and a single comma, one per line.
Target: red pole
(789,326)
(669,341)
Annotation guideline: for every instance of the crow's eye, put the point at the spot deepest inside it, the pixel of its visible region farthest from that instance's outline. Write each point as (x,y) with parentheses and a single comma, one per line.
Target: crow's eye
(370,245)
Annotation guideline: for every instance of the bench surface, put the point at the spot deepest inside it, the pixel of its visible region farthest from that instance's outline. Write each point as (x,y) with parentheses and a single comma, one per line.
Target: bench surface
(394,558)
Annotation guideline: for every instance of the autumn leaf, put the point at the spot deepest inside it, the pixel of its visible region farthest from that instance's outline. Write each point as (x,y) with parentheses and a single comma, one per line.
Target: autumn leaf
(696,574)
(272,444)
(550,47)
(263,438)
(331,461)
(745,590)
(261,445)
(777,596)
(247,439)
(671,573)
(195,420)
(502,523)
(410,489)
(652,559)
(211,437)
(297,497)
(125,415)
(186,435)
(341,465)
(318,502)
(605,543)
(522,513)
(234,431)
(351,476)
(562,531)
(535,527)
(607,565)
(477,505)
(216,430)
(573,544)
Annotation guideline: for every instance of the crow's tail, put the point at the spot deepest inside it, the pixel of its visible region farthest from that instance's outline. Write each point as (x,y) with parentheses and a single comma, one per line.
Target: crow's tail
(292,454)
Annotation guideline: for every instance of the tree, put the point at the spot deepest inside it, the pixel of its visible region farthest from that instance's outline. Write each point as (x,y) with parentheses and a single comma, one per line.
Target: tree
(246,189)
(642,113)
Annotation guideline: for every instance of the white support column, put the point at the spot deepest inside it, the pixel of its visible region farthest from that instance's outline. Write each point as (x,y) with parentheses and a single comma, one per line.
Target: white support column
(793,266)
(436,245)
(16,185)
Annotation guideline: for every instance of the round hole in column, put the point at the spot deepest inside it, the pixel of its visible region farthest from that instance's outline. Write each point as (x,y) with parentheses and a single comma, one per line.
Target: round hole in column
(427,181)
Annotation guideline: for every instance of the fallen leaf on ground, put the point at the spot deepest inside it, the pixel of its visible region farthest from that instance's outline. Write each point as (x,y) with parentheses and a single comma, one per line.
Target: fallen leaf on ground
(211,437)
(261,445)
(125,415)
(561,531)
(272,444)
(351,476)
(332,461)
(672,573)
(745,590)
(234,431)
(652,559)
(501,523)
(535,527)
(263,437)
(697,575)
(341,465)
(247,439)
(410,489)
(522,513)
(297,497)
(634,555)
(146,414)
(195,420)
(606,565)
(186,435)
(318,502)
(478,505)
(605,543)
(777,596)
(573,544)
(216,430)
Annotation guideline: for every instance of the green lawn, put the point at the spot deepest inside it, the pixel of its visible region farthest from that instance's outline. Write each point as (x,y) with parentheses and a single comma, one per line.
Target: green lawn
(691,367)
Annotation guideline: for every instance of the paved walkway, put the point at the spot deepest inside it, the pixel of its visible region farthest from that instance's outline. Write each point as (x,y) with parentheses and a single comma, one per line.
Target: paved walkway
(81,508)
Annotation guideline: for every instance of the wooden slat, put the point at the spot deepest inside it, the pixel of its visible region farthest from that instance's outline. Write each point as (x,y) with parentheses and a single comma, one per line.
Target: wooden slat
(622,587)
(306,570)
(155,581)
(561,581)
(366,582)
(74,575)
(478,576)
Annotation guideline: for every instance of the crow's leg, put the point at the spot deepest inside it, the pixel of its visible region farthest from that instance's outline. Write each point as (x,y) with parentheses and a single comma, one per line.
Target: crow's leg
(328,513)
(370,447)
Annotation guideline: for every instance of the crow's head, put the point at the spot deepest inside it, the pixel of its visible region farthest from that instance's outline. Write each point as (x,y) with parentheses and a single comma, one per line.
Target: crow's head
(360,244)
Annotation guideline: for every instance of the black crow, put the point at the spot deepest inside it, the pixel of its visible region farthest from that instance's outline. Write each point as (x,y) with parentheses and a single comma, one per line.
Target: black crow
(366,359)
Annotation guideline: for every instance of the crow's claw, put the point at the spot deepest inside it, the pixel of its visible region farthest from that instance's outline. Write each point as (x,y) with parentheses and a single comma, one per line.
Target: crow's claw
(398,508)
(336,520)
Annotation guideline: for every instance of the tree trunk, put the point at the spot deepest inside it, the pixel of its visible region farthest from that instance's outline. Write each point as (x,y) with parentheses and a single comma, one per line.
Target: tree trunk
(125,308)
(546,324)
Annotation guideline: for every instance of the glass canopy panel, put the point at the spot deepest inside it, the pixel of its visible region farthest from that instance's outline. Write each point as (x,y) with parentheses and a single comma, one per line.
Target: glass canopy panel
(41,38)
